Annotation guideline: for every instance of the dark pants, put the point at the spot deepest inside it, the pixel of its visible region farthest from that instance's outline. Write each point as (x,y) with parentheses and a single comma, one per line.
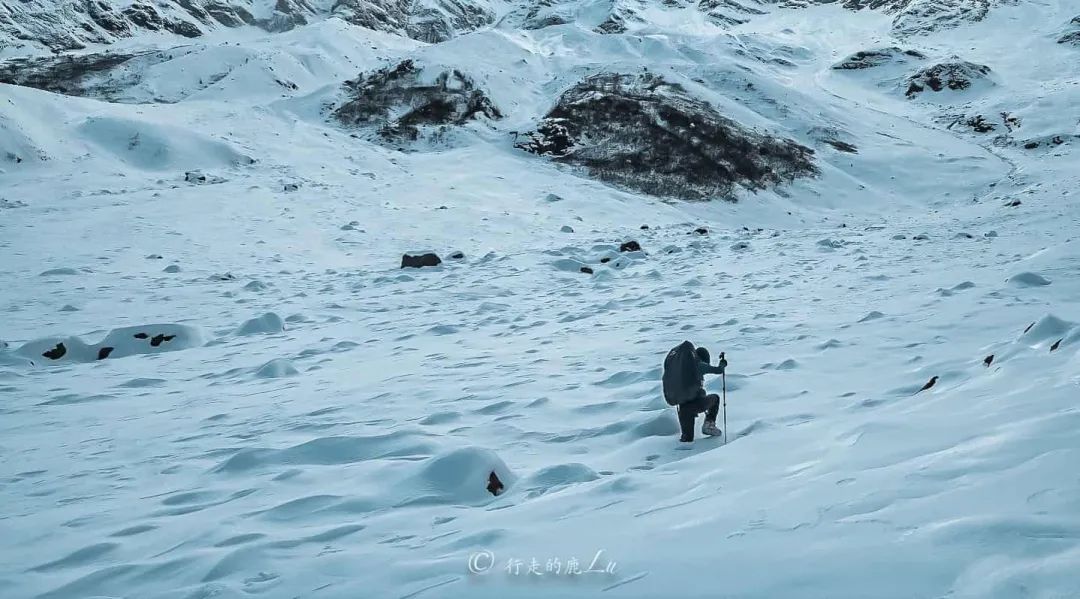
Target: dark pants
(710,404)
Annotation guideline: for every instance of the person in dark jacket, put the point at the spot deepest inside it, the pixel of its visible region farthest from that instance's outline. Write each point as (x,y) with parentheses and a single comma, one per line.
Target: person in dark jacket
(708,403)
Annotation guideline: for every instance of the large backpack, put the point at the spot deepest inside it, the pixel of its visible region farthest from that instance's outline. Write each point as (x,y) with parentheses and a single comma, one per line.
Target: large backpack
(681,380)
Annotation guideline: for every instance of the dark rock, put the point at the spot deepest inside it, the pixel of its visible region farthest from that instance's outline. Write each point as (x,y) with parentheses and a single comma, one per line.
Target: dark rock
(56,353)
(66,74)
(290,187)
(842,146)
(644,227)
(643,133)
(104,352)
(183,28)
(495,486)
(701,231)
(432,22)
(867,59)
(195,177)
(630,246)
(457,256)
(952,75)
(586,270)
(988,360)
(420,260)
(141,336)
(979,124)
(929,384)
(1028,327)
(159,339)
(1056,345)
(1013,204)
(1072,38)
(397,104)
(605,260)
(144,16)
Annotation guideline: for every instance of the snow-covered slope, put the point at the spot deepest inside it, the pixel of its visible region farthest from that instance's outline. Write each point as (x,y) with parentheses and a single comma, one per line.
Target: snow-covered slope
(216,381)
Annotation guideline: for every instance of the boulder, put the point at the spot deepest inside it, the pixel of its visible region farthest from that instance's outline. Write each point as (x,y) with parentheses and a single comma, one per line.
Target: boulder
(419,260)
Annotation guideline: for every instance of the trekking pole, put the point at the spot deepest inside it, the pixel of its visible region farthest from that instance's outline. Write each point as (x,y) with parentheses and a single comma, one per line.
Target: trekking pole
(723,379)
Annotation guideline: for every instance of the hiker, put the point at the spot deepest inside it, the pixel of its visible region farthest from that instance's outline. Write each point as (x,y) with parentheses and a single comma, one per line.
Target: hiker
(684,386)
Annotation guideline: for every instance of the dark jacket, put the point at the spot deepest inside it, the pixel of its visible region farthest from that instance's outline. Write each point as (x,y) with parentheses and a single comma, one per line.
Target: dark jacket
(706,368)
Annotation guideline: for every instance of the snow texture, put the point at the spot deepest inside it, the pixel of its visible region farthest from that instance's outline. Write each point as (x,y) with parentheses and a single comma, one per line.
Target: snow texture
(217,380)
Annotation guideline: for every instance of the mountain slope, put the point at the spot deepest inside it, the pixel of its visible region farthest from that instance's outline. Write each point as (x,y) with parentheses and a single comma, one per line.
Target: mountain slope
(217,380)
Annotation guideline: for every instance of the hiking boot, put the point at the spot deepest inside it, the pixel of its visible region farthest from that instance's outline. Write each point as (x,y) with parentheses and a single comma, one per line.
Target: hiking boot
(708,428)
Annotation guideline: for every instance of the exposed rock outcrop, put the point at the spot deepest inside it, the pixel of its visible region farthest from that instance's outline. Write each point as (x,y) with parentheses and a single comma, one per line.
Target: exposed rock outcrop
(644,133)
(868,59)
(399,105)
(955,76)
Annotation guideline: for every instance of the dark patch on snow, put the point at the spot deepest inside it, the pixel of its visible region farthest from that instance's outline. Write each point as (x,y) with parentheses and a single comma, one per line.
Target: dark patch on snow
(644,133)
(586,270)
(104,352)
(397,104)
(630,246)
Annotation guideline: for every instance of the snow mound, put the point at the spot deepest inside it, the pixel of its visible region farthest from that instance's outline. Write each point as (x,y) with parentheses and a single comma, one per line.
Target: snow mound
(458,477)
(156,147)
(1048,328)
(276,368)
(118,343)
(1028,279)
(267,323)
(329,451)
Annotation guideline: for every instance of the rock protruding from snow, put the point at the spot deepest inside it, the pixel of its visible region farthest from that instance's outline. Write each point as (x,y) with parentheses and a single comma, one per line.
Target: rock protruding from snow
(915,17)
(400,105)
(1071,35)
(644,133)
(420,260)
(431,21)
(73,24)
(955,76)
(867,59)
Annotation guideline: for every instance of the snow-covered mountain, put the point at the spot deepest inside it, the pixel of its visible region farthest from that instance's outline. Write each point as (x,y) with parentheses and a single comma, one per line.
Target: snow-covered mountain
(221,376)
